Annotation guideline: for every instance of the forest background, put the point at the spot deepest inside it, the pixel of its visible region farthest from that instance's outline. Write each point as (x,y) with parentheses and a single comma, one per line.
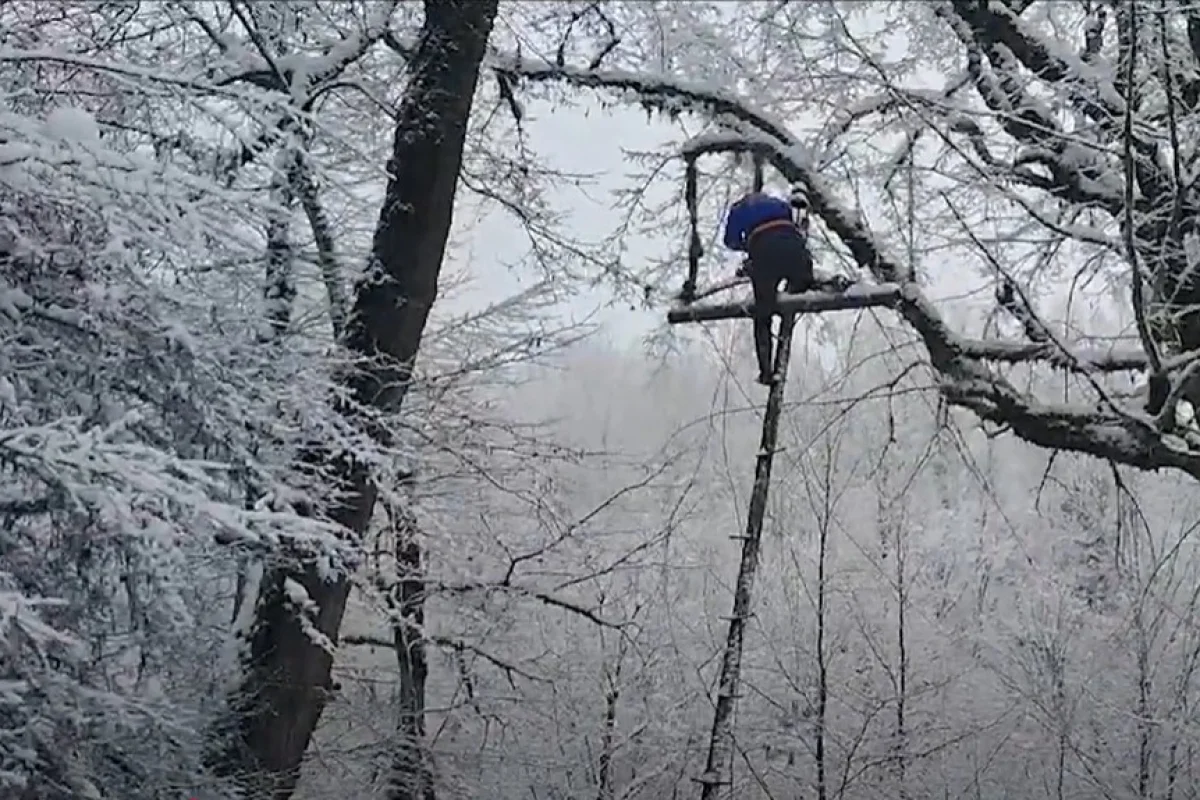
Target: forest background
(346,452)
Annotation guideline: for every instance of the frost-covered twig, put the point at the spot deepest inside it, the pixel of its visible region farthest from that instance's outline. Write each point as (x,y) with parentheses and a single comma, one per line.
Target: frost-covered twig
(533,594)
(301,75)
(92,469)
(449,643)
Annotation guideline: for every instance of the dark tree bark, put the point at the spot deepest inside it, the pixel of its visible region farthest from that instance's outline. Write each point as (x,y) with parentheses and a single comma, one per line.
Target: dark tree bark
(287,676)
(280,290)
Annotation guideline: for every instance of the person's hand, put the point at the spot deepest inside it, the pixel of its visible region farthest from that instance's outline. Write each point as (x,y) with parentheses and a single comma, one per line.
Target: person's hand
(744,270)
(841,283)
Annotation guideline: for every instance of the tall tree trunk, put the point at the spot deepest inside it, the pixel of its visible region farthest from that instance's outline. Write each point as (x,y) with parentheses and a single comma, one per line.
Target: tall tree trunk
(901,743)
(287,676)
(718,768)
(411,776)
(819,754)
(279,295)
(612,696)
(280,290)
(1144,722)
(1064,730)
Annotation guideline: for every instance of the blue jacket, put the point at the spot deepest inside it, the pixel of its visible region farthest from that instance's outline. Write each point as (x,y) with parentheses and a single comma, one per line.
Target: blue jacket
(748,213)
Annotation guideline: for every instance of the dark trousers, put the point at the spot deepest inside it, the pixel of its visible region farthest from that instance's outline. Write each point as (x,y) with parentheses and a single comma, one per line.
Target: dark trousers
(777,255)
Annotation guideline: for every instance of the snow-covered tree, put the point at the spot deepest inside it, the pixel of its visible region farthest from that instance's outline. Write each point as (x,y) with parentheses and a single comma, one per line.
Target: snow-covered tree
(138,408)
(235,409)
(1059,138)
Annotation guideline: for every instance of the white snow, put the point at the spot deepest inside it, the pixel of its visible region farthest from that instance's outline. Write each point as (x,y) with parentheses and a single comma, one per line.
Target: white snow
(66,316)
(177,333)
(8,393)
(13,301)
(245,616)
(306,609)
(73,124)
(12,152)
(871,290)
(1185,415)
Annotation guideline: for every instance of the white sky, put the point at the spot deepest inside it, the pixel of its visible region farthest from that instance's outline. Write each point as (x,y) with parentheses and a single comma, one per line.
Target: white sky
(578,138)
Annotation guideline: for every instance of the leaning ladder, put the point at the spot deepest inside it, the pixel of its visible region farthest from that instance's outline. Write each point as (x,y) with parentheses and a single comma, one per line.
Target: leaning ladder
(718,768)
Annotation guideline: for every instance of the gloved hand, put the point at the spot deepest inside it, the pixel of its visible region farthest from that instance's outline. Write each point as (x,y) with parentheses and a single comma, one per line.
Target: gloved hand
(744,270)
(840,283)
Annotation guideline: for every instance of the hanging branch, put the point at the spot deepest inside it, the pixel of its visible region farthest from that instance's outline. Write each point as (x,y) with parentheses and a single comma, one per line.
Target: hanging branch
(695,247)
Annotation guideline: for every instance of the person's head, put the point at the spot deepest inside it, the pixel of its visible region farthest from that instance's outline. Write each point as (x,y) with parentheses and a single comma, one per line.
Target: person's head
(749,196)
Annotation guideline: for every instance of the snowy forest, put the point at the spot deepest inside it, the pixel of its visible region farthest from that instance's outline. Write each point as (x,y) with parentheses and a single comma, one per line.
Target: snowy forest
(355,443)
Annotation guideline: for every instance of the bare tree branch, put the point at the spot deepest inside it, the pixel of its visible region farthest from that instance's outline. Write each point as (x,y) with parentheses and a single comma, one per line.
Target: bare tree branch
(457,645)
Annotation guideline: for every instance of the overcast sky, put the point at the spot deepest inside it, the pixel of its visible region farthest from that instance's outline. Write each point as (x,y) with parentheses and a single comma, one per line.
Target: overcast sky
(579,138)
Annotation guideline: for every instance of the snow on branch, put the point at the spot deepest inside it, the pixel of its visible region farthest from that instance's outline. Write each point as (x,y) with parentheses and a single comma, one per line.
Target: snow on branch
(299,74)
(92,470)
(1128,437)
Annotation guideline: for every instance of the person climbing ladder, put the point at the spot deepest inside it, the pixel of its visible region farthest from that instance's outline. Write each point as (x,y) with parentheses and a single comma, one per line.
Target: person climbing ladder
(765,228)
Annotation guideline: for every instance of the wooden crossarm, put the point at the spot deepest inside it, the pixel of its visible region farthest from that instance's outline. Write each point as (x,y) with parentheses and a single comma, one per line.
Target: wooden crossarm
(807,303)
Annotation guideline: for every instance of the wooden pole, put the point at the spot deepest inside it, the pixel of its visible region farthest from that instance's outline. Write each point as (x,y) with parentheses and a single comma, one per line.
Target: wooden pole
(695,246)
(718,769)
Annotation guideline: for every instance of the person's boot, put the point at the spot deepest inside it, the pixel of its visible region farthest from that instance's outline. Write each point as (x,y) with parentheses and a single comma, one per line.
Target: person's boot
(763,356)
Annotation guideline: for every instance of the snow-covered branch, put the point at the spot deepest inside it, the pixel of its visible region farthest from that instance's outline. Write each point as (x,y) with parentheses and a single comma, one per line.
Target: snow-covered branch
(301,75)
